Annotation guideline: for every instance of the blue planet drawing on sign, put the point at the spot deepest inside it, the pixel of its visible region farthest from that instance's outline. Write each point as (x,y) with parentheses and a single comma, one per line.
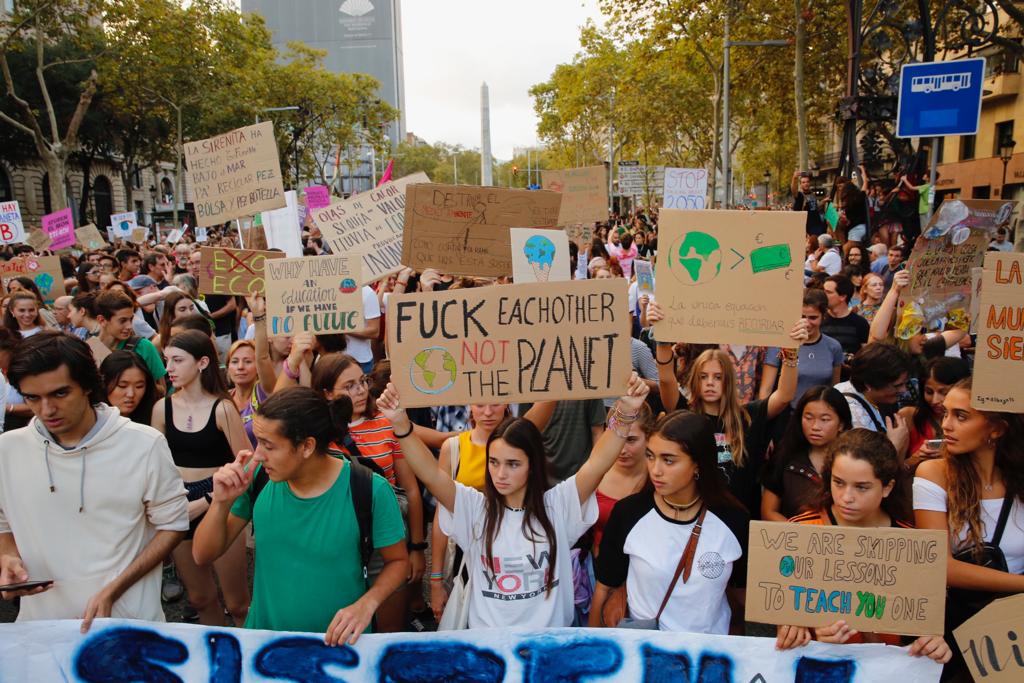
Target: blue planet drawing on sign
(45,283)
(540,254)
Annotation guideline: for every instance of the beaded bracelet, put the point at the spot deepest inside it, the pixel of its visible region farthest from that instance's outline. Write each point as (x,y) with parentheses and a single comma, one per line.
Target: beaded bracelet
(437,576)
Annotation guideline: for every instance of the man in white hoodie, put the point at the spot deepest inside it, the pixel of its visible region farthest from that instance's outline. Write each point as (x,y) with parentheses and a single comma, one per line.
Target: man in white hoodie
(88,499)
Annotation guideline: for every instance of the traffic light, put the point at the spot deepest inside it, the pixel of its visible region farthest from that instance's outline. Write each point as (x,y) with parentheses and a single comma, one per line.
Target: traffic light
(515,170)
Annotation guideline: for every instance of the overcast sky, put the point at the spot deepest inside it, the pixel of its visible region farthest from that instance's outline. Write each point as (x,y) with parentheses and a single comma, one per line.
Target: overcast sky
(452,46)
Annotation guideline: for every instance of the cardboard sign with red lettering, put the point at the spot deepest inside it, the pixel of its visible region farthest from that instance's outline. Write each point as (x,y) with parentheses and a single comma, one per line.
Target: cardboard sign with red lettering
(45,271)
(233,271)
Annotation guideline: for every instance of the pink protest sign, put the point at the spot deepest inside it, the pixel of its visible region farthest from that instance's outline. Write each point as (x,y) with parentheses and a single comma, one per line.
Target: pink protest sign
(317,196)
(60,226)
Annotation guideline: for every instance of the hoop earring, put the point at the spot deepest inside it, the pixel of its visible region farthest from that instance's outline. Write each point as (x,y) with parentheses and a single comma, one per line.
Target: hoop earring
(696,476)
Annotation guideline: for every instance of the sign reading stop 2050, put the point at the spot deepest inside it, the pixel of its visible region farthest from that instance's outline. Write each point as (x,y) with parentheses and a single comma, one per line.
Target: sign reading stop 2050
(940,98)
(12,230)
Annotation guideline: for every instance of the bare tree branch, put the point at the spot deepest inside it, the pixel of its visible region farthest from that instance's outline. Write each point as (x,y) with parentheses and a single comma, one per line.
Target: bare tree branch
(48,103)
(71,139)
(32,128)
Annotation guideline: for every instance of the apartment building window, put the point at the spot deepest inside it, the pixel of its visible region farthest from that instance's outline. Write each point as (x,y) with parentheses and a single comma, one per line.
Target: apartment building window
(1004,133)
(967,143)
(137,178)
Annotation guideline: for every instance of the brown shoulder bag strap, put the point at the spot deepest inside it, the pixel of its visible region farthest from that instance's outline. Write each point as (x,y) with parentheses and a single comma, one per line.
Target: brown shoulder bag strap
(686,561)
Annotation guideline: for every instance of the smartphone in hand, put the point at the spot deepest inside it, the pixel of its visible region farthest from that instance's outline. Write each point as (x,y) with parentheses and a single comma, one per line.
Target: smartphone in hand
(26,586)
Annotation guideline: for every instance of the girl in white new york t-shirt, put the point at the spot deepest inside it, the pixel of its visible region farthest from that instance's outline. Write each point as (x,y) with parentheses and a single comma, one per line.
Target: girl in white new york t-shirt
(516,534)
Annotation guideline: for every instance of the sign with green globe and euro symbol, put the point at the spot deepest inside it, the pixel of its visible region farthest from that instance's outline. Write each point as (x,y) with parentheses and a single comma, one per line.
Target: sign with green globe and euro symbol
(510,343)
(733,276)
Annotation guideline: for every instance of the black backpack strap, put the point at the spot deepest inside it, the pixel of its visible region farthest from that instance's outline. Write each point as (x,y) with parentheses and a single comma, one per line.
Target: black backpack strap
(1004,515)
(867,408)
(132,343)
(361,481)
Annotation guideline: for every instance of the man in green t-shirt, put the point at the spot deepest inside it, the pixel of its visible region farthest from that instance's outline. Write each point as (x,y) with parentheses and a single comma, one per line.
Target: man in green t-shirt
(309,572)
(114,313)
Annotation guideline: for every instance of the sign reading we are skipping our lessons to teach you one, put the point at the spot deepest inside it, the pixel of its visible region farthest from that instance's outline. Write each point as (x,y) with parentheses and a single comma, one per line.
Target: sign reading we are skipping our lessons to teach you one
(733,277)
(999,358)
(877,580)
(464,230)
(510,343)
(317,294)
(235,174)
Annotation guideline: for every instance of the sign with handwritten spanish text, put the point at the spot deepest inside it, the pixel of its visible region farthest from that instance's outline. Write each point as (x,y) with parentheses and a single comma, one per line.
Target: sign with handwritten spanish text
(584,193)
(878,580)
(45,271)
(998,366)
(60,226)
(989,641)
(12,229)
(235,174)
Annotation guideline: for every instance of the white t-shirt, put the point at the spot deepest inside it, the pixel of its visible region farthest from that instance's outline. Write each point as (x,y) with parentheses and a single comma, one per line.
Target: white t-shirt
(831,262)
(361,349)
(642,547)
(930,496)
(510,591)
(860,416)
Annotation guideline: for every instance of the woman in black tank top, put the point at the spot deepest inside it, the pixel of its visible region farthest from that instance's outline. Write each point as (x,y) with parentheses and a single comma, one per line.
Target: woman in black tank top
(204,431)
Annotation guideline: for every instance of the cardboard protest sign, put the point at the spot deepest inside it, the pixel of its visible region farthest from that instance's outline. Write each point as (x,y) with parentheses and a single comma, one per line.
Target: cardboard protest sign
(12,229)
(990,642)
(369,227)
(539,255)
(38,240)
(685,188)
(316,294)
(60,226)
(644,277)
(44,270)
(584,193)
(317,196)
(733,277)
(89,237)
(281,227)
(235,174)
(123,224)
(233,271)
(955,241)
(998,366)
(139,235)
(510,343)
(463,230)
(882,580)
(46,651)
(581,233)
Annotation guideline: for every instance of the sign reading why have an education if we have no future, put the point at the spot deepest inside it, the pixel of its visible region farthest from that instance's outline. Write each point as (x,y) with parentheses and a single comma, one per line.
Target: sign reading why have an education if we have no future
(315,294)
(999,358)
(464,230)
(368,227)
(235,174)
(233,271)
(877,580)
(733,277)
(510,343)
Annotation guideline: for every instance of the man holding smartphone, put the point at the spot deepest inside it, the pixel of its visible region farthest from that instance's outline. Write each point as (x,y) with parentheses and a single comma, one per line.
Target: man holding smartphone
(88,499)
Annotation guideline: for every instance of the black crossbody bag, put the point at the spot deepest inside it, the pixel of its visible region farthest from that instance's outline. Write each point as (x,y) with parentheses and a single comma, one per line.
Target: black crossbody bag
(964,603)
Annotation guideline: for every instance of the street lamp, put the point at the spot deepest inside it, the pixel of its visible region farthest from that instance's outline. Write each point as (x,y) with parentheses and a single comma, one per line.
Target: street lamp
(727,152)
(1005,154)
(767,182)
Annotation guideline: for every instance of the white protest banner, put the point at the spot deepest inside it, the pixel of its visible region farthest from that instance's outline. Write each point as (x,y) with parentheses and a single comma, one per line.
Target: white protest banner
(125,650)
(12,229)
(235,174)
(123,224)
(733,277)
(510,343)
(316,294)
(281,227)
(685,188)
(201,235)
(369,226)
(539,255)
(174,236)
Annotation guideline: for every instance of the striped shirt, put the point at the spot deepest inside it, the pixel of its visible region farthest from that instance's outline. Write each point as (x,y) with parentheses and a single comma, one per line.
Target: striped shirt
(376,441)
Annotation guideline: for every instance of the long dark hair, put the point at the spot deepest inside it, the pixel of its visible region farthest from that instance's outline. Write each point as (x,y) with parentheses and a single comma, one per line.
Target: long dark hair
(520,433)
(30,284)
(945,370)
(695,435)
(326,372)
(875,449)
(82,276)
(304,413)
(115,365)
(197,345)
(794,443)
(964,484)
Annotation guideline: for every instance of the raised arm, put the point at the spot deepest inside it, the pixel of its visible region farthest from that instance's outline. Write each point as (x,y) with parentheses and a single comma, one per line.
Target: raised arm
(265,370)
(419,457)
(788,375)
(886,314)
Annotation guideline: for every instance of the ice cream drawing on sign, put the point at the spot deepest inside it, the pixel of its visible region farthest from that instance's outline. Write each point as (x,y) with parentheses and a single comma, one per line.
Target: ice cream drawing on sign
(539,255)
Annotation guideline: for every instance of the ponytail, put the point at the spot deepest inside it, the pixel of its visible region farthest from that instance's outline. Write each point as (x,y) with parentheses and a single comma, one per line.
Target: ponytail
(304,413)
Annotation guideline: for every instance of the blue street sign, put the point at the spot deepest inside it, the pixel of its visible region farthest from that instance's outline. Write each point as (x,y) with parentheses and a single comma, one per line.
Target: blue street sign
(940,98)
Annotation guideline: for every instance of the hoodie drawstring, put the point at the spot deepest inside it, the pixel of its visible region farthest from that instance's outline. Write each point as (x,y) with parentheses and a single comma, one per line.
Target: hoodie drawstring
(81,482)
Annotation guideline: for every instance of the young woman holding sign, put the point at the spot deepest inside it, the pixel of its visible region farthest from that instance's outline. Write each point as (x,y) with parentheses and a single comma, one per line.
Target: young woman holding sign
(862,474)
(517,533)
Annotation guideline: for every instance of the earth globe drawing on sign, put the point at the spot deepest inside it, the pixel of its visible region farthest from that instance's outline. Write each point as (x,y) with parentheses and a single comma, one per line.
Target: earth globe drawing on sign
(695,258)
(433,370)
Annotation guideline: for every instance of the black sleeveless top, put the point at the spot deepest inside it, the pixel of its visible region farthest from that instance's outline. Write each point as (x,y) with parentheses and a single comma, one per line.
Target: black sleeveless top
(206,448)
